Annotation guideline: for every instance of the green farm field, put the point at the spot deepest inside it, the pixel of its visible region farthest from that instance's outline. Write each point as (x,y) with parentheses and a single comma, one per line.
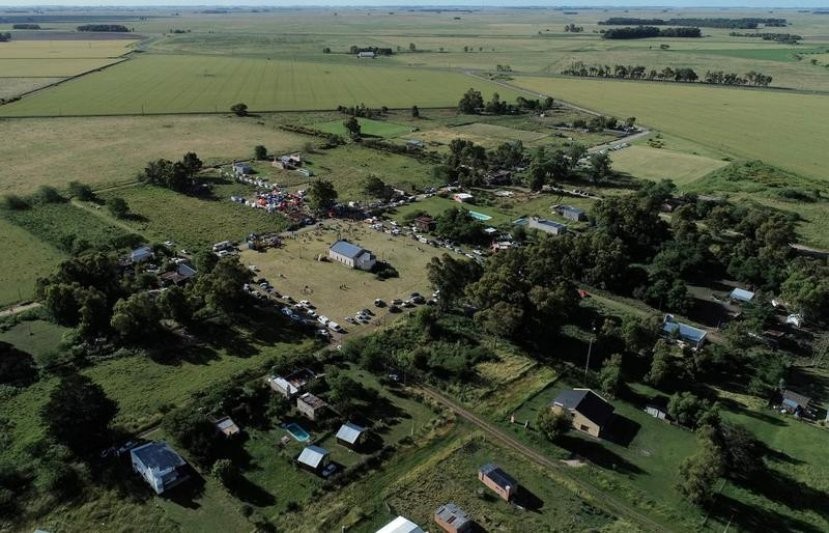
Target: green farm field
(104,151)
(179,84)
(10,87)
(64,49)
(27,260)
(749,124)
(50,68)
(657,164)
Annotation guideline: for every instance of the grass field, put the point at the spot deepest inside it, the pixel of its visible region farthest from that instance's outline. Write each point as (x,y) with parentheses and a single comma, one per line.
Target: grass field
(64,49)
(161,214)
(14,86)
(373,128)
(19,270)
(657,164)
(105,151)
(50,68)
(749,124)
(177,83)
(294,267)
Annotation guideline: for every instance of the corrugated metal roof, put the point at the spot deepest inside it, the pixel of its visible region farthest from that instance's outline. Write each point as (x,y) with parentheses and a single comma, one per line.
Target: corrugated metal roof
(452,514)
(686,332)
(400,525)
(345,248)
(349,432)
(312,456)
(741,295)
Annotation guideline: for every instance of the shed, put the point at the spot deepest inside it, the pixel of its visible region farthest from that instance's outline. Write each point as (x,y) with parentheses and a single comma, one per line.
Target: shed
(366,55)
(656,411)
(590,412)
(351,435)
(227,427)
(741,295)
(141,254)
(424,223)
(453,519)
(310,405)
(313,458)
(463,197)
(794,403)
(401,524)
(499,481)
(687,333)
(571,213)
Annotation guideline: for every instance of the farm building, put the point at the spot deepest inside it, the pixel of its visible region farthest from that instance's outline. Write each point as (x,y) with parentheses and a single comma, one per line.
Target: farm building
(571,213)
(453,519)
(242,169)
(794,403)
(424,223)
(400,524)
(227,427)
(547,226)
(351,435)
(351,255)
(590,412)
(499,481)
(309,405)
(288,162)
(313,459)
(141,254)
(159,465)
(691,335)
(462,197)
(741,296)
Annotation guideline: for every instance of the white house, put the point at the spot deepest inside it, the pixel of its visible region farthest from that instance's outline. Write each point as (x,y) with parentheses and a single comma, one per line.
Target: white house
(351,255)
(159,465)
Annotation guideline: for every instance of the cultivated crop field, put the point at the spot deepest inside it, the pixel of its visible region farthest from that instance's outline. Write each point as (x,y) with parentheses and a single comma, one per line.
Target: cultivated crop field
(110,150)
(178,83)
(750,124)
(64,49)
(50,68)
(657,164)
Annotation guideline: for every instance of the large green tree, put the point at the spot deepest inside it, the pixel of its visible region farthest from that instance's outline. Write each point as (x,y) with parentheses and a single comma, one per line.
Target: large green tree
(471,102)
(321,196)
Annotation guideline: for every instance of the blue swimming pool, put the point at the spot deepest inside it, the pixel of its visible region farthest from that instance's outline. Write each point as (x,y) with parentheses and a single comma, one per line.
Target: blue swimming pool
(479,216)
(297,432)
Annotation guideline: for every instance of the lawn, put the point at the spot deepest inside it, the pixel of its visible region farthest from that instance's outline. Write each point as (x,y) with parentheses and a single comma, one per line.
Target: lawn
(749,124)
(161,214)
(657,164)
(36,337)
(19,270)
(436,205)
(180,83)
(368,127)
(14,86)
(107,150)
(295,270)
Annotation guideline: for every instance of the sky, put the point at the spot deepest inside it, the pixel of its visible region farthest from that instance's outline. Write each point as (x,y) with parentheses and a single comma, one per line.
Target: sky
(474,3)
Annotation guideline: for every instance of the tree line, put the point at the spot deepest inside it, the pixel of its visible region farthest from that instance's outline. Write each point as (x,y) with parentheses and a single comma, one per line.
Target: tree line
(738,23)
(179,176)
(380,51)
(472,102)
(785,38)
(26,26)
(104,27)
(644,32)
(679,74)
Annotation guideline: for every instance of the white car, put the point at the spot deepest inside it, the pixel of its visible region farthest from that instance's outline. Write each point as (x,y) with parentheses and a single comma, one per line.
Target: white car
(333,326)
(322,319)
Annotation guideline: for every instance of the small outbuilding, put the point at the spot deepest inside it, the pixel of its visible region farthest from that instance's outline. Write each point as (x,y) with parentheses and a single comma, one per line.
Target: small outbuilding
(453,519)
(160,466)
(499,481)
(227,427)
(309,405)
(351,435)
(141,254)
(424,223)
(693,336)
(351,255)
(401,524)
(366,55)
(741,296)
(547,226)
(590,412)
(569,212)
(462,197)
(794,403)
(314,459)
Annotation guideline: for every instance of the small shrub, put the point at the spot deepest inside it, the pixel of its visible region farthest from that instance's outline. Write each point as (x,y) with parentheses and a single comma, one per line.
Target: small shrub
(14,202)
(48,195)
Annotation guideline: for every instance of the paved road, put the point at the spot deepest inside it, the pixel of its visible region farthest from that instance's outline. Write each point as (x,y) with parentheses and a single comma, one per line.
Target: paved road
(598,497)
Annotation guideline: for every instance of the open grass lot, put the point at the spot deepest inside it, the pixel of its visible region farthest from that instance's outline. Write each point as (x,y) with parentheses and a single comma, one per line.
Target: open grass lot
(178,83)
(750,124)
(104,151)
(19,270)
(161,214)
(36,337)
(294,267)
(14,86)
(368,127)
(657,164)
(436,205)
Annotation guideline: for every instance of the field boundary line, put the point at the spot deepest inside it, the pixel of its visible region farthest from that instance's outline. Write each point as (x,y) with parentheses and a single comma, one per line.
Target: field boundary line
(600,498)
(119,60)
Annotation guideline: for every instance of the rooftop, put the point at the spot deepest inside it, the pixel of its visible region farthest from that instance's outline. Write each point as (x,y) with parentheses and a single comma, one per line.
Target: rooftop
(571,209)
(452,514)
(314,401)
(350,433)
(227,426)
(798,399)
(501,478)
(347,249)
(549,223)
(400,524)
(158,456)
(312,456)
(686,332)
(741,295)
(587,403)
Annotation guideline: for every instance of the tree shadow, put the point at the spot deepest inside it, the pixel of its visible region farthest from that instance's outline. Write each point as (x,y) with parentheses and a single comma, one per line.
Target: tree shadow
(17,368)
(794,494)
(621,430)
(189,491)
(757,519)
(733,406)
(707,312)
(598,454)
(249,492)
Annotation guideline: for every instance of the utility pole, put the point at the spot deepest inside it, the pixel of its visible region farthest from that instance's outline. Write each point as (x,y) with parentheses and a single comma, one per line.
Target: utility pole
(589,351)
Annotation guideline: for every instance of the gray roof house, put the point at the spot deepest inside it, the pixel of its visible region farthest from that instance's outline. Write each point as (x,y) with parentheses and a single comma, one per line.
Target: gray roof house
(741,295)
(351,435)
(590,412)
(547,226)
(141,254)
(351,255)
(159,465)
(313,458)
(685,332)
(453,519)
(571,213)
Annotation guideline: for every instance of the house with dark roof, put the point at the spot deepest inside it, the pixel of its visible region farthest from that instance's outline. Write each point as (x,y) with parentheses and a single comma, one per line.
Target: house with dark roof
(686,333)
(351,255)
(424,223)
(160,466)
(313,459)
(590,412)
(183,273)
(794,403)
(351,435)
(499,481)
(309,405)
(571,213)
(453,519)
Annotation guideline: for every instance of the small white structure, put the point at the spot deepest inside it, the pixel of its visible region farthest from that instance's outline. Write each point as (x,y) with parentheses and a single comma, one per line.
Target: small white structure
(741,295)
(795,320)
(656,412)
(400,524)
(159,465)
(547,226)
(352,255)
(313,458)
(351,435)
(366,55)
(463,197)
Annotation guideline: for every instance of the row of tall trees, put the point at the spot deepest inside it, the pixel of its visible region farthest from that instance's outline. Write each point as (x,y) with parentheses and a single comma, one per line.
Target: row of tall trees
(645,32)
(720,22)
(472,102)
(681,74)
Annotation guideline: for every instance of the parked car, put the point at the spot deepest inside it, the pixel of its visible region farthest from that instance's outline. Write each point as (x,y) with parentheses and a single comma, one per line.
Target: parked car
(367,312)
(333,326)
(379,303)
(394,309)
(322,319)
(397,301)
